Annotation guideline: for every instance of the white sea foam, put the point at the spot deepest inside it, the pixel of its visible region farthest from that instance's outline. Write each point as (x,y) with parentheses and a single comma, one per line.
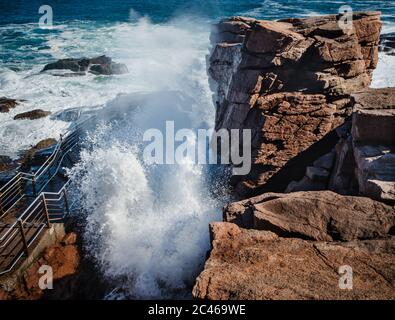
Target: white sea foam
(383,76)
(147,226)
(156,56)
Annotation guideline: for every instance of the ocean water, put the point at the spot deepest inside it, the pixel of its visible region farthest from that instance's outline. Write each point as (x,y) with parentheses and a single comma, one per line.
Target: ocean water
(148,229)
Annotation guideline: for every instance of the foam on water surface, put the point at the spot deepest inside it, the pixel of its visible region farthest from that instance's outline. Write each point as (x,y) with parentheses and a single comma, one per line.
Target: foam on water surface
(147,226)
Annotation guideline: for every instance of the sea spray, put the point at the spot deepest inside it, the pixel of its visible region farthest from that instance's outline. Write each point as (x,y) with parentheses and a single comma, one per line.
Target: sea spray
(147,225)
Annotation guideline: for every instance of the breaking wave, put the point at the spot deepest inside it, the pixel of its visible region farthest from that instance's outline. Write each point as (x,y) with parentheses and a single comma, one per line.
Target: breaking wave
(147,225)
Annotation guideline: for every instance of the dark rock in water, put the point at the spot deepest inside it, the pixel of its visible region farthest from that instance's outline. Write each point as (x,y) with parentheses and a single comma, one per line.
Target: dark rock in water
(99,65)
(76,65)
(7,104)
(387,43)
(32,115)
(69,74)
(5,159)
(5,163)
(114,68)
(29,155)
(8,168)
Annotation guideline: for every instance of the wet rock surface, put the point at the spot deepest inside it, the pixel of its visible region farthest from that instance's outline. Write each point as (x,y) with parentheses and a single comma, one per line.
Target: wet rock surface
(101,65)
(28,156)
(5,163)
(6,104)
(32,115)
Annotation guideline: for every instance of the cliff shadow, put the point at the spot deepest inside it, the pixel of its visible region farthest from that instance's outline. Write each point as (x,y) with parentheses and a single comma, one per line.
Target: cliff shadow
(295,168)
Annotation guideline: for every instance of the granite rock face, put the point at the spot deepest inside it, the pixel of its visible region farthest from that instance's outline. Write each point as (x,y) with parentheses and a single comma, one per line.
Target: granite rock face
(365,155)
(373,119)
(296,246)
(252,264)
(301,86)
(315,215)
(290,83)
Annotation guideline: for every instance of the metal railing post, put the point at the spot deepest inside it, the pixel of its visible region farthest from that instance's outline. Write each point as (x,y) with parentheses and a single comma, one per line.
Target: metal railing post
(34,185)
(66,201)
(20,187)
(1,204)
(46,211)
(26,224)
(24,241)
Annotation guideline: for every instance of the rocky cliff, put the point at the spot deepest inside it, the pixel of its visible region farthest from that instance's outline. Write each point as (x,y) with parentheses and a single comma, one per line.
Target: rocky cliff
(251,264)
(290,83)
(323,137)
(363,161)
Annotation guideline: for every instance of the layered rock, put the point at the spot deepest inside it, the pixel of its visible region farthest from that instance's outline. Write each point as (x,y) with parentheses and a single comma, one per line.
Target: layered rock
(301,85)
(290,83)
(314,215)
(252,264)
(365,155)
(99,65)
(293,246)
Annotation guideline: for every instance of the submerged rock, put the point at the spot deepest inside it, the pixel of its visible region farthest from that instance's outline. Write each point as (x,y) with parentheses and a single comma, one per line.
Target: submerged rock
(7,104)
(5,163)
(32,115)
(255,265)
(99,65)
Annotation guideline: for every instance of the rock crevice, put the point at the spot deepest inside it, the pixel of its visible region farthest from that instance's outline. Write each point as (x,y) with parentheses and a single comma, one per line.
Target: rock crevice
(319,133)
(290,82)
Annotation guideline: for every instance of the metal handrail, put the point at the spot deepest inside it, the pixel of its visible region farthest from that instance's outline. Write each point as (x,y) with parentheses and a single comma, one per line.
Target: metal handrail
(47,207)
(31,224)
(17,188)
